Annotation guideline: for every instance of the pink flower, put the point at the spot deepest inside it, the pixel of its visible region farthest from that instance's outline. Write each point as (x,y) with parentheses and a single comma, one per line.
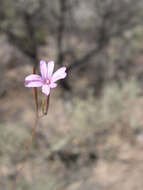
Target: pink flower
(47,79)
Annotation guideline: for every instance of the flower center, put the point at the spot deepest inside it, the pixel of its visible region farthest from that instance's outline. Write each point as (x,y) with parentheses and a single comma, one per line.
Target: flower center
(47,81)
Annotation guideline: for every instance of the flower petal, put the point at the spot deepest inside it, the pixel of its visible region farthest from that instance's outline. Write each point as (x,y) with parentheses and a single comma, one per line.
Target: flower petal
(33,83)
(50,67)
(43,69)
(33,77)
(46,90)
(59,74)
(53,85)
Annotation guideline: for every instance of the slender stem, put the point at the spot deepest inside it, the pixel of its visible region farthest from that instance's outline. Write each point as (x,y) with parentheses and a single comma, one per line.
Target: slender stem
(47,104)
(35,94)
(27,148)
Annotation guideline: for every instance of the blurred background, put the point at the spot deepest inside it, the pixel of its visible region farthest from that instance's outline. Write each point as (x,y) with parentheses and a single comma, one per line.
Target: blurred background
(92,137)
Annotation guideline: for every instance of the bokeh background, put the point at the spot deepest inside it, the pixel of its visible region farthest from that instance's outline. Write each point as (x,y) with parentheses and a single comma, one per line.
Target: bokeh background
(92,137)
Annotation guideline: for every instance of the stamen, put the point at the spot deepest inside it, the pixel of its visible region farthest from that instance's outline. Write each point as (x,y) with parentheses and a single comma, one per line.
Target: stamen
(48,81)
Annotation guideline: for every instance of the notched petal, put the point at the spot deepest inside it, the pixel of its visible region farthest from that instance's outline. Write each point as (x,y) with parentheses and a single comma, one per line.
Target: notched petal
(53,85)
(33,84)
(43,69)
(50,68)
(46,90)
(59,74)
(33,77)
